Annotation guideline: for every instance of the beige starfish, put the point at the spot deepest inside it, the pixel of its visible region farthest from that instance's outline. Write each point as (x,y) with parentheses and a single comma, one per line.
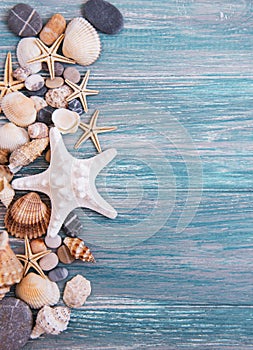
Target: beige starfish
(31,259)
(80,91)
(50,56)
(91,130)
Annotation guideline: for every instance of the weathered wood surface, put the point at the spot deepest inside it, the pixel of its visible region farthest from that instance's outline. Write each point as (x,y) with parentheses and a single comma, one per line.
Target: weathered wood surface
(178,84)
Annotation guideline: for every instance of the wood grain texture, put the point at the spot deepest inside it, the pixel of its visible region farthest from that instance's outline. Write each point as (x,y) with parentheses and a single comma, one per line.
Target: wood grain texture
(178,84)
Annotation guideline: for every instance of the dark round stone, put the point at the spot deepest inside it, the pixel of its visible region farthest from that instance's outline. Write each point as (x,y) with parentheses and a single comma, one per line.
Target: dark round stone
(58,68)
(76,106)
(24,21)
(58,274)
(45,115)
(15,324)
(40,92)
(103,16)
(72,226)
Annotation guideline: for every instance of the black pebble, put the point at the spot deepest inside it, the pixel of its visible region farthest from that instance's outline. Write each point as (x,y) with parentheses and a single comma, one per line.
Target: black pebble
(103,16)
(58,274)
(72,225)
(16,322)
(76,106)
(58,68)
(24,21)
(40,92)
(45,115)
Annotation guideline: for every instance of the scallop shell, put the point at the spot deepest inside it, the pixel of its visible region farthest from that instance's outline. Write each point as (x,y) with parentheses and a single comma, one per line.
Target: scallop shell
(4,156)
(81,42)
(3,291)
(11,269)
(78,249)
(65,120)
(38,130)
(5,172)
(76,291)
(37,291)
(7,193)
(27,216)
(19,109)
(12,137)
(51,321)
(26,50)
(27,153)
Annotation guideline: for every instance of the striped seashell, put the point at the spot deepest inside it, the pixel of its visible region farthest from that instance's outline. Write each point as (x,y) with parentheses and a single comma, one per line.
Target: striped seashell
(7,193)
(78,249)
(38,131)
(26,50)
(4,156)
(76,291)
(12,137)
(5,172)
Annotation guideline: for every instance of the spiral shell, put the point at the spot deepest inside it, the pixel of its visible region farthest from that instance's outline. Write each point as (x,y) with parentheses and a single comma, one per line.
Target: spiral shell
(76,291)
(12,137)
(78,249)
(26,50)
(7,193)
(38,130)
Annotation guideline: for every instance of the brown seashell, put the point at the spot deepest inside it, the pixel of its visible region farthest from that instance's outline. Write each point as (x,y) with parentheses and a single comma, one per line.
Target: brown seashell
(27,153)
(7,193)
(4,156)
(38,131)
(27,216)
(53,29)
(5,172)
(78,249)
(3,291)
(76,291)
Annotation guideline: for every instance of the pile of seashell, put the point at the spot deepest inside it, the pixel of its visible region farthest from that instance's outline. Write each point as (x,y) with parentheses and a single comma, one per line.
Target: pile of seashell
(43,102)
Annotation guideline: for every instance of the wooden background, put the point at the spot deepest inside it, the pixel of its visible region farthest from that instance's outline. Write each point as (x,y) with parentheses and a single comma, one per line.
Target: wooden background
(177,81)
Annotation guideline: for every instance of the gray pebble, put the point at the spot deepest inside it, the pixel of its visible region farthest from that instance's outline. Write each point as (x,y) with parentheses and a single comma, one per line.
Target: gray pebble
(34,82)
(45,115)
(49,262)
(72,225)
(72,74)
(53,242)
(40,92)
(76,106)
(58,274)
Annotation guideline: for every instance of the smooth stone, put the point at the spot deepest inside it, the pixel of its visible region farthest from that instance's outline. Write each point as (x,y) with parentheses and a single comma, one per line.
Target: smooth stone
(57,97)
(38,245)
(58,68)
(39,102)
(72,74)
(34,82)
(72,225)
(58,274)
(48,156)
(40,92)
(24,21)
(76,106)
(45,115)
(103,15)
(53,29)
(53,242)
(49,262)
(16,323)
(54,83)
(64,255)
(21,73)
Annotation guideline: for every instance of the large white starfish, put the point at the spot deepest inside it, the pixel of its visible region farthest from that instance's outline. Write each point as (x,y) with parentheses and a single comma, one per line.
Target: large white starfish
(69,182)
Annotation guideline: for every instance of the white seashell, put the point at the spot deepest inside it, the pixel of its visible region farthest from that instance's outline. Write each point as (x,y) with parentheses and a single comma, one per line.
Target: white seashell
(81,42)
(76,291)
(19,109)
(39,102)
(12,137)
(51,321)
(7,193)
(26,50)
(38,130)
(65,120)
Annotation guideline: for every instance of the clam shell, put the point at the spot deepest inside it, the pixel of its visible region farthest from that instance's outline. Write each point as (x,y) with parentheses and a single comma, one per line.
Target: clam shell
(76,291)
(5,172)
(81,42)
(78,249)
(27,216)
(7,193)
(37,291)
(12,137)
(65,120)
(38,130)
(19,109)
(26,50)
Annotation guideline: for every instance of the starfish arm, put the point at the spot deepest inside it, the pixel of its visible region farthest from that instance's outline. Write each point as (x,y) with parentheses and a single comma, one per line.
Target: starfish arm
(40,255)
(21,257)
(50,64)
(58,216)
(43,48)
(40,58)
(88,92)
(97,203)
(85,80)
(103,129)
(84,102)
(72,96)
(37,182)
(96,142)
(63,59)
(8,70)
(17,85)
(82,139)
(27,267)
(93,121)
(72,85)
(37,267)
(100,161)
(2,85)
(56,44)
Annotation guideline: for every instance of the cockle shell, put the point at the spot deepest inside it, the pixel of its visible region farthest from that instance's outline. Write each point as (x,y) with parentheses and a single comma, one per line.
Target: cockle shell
(81,42)
(4,156)
(27,153)
(12,137)
(65,120)
(7,193)
(51,321)
(26,50)
(78,249)
(19,109)
(38,130)
(5,172)
(27,216)
(37,291)
(76,291)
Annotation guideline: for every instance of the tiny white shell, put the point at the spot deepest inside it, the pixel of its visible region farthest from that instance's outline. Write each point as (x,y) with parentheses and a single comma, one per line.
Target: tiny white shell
(26,50)
(65,120)
(12,137)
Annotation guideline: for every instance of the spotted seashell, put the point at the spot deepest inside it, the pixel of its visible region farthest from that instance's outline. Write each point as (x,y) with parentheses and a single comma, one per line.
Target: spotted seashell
(65,120)
(76,291)
(57,97)
(12,137)
(4,156)
(38,130)
(78,249)
(7,193)
(26,50)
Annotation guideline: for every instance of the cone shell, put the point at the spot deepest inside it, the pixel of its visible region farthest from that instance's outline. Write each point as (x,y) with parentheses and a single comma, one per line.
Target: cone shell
(65,120)
(27,216)
(76,291)
(12,137)
(78,249)
(7,193)
(5,172)
(37,291)
(51,321)
(19,109)
(38,130)
(4,156)
(81,42)
(26,50)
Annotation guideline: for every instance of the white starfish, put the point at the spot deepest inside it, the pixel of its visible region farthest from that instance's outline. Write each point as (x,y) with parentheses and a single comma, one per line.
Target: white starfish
(69,182)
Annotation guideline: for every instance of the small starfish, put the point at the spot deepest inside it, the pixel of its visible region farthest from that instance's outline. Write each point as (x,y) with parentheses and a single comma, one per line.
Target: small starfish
(30,259)
(50,56)
(80,91)
(91,130)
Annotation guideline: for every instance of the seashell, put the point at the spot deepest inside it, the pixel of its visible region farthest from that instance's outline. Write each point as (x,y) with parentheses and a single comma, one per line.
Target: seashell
(26,50)
(11,269)
(38,130)
(65,120)
(21,74)
(3,291)
(51,321)
(7,193)
(5,172)
(78,249)
(81,42)
(57,97)
(27,216)
(39,102)
(4,156)
(76,291)
(12,137)
(19,109)
(27,153)
(37,291)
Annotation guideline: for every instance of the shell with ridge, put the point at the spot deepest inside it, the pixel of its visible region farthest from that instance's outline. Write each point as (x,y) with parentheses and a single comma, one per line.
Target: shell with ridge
(78,249)
(27,216)
(76,291)
(81,42)
(12,137)
(5,172)
(37,291)
(51,321)
(38,130)
(7,193)
(19,109)
(26,50)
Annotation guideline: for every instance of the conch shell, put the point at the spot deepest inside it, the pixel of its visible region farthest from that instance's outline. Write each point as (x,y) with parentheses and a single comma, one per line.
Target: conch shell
(7,193)
(78,249)
(76,291)
(51,321)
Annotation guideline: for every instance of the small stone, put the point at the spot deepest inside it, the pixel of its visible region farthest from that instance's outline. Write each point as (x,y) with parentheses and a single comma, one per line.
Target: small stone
(76,106)
(72,74)
(58,68)
(53,29)
(34,82)
(64,255)
(53,242)
(104,16)
(40,92)
(48,156)
(58,274)
(72,225)
(21,74)
(38,245)
(57,97)
(16,323)
(49,262)
(45,115)
(24,21)
(54,83)
(39,102)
